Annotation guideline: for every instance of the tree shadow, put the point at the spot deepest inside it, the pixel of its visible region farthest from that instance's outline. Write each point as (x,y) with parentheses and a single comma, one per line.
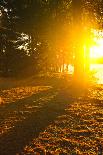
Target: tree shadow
(45,107)
(33,114)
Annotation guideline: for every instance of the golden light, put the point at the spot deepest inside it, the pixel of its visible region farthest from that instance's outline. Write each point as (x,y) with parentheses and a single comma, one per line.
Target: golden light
(96,50)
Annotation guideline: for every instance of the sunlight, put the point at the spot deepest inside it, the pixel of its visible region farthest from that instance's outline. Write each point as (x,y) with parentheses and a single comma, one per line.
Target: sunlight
(98,72)
(96,51)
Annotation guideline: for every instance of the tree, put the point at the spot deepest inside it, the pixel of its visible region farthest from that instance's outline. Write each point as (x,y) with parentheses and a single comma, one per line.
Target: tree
(86,16)
(49,22)
(77,27)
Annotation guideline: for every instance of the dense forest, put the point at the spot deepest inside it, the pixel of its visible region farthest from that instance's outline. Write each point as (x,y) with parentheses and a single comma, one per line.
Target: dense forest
(42,35)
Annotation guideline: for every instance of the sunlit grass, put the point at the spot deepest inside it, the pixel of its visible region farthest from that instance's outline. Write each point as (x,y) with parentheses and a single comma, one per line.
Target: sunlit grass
(97,72)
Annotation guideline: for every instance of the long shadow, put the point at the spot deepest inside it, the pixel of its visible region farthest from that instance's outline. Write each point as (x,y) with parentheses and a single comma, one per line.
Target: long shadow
(24,131)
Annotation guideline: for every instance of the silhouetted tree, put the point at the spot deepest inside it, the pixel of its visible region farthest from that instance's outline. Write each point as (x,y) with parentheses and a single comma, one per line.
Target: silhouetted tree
(42,31)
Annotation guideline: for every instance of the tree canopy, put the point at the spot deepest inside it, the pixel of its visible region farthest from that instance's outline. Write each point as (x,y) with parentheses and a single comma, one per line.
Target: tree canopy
(41,31)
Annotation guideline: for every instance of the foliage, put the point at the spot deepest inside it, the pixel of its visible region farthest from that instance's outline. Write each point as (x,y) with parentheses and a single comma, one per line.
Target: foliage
(48,23)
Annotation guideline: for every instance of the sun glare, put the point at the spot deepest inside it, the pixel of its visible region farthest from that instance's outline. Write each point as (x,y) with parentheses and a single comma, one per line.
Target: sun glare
(96,50)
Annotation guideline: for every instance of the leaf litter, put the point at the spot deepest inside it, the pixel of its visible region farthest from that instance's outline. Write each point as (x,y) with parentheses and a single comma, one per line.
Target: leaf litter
(79,131)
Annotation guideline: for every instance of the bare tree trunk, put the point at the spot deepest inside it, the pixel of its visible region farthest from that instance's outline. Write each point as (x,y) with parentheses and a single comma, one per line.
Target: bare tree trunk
(78,32)
(87,52)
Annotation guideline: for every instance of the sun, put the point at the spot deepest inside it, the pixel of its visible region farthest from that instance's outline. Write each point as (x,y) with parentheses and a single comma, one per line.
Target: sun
(96,50)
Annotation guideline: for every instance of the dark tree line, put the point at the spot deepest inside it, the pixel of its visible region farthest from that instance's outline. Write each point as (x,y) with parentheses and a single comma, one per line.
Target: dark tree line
(37,35)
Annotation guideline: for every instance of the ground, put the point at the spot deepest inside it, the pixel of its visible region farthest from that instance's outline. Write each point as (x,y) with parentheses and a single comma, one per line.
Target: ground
(50,117)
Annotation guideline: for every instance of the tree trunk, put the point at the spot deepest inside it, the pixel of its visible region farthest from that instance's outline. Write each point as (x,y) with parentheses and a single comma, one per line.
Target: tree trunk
(78,36)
